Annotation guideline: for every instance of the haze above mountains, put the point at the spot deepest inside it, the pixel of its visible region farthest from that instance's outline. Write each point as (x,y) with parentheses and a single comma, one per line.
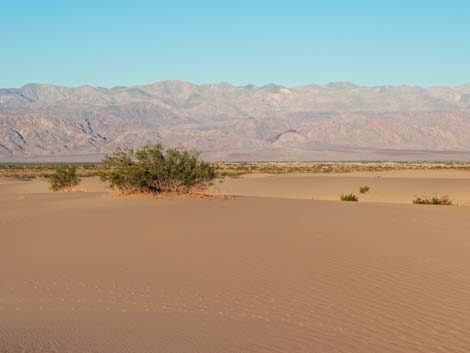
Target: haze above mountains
(337,121)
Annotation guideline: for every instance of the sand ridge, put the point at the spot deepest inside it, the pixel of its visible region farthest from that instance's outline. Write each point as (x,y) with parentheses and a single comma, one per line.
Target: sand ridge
(390,187)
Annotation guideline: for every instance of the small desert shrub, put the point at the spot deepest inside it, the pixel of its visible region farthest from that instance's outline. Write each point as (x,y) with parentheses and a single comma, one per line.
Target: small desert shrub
(435,200)
(153,169)
(349,197)
(64,177)
(364,189)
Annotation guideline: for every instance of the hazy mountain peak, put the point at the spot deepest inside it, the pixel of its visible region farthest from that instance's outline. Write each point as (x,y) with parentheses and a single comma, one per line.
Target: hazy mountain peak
(341,85)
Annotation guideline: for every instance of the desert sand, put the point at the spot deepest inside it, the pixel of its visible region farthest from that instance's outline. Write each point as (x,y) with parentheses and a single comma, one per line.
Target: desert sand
(91,271)
(398,186)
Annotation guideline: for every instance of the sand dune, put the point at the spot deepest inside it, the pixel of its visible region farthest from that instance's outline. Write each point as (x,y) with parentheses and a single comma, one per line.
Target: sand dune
(393,187)
(94,272)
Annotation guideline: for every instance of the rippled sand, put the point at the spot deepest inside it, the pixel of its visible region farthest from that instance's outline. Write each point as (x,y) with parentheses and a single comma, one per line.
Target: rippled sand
(94,272)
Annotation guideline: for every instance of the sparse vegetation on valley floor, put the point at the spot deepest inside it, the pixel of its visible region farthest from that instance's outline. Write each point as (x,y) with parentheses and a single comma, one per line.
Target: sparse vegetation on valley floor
(364,189)
(44,170)
(241,168)
(236,169)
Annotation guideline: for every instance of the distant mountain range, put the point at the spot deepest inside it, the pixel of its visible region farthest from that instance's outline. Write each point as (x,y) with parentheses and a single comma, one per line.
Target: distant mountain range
(337,121)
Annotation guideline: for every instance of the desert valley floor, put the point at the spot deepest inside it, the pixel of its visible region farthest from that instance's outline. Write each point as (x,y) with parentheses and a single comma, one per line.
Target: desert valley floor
(278,266)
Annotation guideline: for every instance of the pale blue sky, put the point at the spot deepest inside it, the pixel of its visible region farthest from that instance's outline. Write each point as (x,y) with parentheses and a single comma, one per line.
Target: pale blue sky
(107,43)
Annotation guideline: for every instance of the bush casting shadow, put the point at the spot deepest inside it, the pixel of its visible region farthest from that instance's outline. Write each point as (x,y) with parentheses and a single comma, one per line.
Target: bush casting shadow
(64,177)
(156,170)
(435,200)
(349,197)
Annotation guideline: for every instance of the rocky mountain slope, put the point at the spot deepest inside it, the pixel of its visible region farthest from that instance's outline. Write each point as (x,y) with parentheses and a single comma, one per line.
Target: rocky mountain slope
(226,122)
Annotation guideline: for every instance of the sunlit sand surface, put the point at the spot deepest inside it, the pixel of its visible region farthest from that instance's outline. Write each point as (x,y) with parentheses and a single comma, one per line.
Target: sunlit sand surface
(91,271)
(392,187)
